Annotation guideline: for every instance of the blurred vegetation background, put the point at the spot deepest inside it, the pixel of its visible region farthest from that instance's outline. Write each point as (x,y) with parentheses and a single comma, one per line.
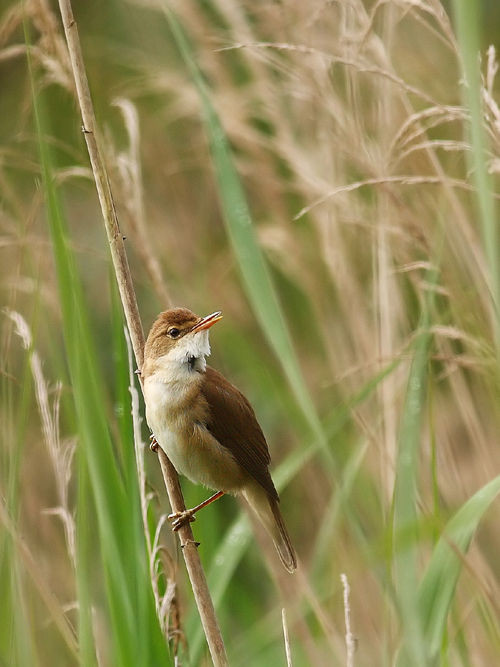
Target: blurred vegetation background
(370,172)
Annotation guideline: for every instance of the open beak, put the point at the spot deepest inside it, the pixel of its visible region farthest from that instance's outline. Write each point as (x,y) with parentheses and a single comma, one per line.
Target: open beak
(207,322)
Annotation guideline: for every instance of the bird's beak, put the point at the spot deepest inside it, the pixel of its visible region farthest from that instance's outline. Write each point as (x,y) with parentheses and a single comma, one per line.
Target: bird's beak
(207,322)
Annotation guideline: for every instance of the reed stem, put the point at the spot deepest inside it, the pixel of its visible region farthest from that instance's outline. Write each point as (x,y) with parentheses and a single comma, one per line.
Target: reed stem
(131,310)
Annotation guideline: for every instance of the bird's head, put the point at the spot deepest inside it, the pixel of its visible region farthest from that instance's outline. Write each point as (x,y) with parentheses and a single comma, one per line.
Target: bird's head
(178,341)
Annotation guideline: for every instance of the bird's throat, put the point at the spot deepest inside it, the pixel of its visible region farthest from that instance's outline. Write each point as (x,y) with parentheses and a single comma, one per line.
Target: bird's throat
(183,362)
(196,364)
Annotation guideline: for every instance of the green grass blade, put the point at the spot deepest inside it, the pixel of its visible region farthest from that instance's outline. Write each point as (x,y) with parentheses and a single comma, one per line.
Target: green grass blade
(89,402)
(128,587)
(16,637)
(405,518)
(337,504)
(467,16)
(440,580)
(88,656)
(253,267)
(405,498)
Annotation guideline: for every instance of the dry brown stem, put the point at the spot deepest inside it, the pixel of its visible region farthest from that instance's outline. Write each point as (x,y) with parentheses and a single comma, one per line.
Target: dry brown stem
(129,302)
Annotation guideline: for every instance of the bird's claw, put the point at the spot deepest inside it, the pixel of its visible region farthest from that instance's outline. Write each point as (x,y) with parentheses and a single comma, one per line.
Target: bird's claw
(179,519)
(153,445)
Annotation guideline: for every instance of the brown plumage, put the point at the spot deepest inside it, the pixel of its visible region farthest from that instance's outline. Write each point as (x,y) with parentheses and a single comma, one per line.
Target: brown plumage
(249,447)
(205,425)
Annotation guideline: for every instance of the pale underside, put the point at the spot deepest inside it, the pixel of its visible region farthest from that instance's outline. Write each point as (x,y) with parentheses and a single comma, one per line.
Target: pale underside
(170,390)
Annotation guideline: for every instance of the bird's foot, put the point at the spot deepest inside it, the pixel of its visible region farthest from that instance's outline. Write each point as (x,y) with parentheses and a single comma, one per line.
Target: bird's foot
(153,445)
(178,519)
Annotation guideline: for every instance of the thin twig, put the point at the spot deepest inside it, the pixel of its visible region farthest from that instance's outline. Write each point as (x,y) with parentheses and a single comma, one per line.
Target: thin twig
(288,651)
(129,303)
(384,180)
(334,60)
(350,642)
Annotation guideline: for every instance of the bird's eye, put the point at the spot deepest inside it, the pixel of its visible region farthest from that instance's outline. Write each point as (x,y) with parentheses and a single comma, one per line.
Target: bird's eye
(173,332)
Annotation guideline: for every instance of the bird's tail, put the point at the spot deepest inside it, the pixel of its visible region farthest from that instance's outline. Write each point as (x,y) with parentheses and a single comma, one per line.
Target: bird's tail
(267,510)
(281,538)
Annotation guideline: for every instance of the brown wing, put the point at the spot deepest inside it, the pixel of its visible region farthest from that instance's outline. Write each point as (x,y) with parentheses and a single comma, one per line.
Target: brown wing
(233,423)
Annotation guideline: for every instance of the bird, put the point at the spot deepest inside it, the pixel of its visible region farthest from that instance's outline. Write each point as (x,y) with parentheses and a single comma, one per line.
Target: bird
(205,425)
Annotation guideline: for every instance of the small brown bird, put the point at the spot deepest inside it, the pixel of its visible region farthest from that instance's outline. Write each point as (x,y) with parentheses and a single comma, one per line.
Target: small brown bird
(206,427)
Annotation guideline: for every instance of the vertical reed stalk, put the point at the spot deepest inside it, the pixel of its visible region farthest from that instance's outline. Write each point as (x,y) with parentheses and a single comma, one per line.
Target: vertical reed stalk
(129,302)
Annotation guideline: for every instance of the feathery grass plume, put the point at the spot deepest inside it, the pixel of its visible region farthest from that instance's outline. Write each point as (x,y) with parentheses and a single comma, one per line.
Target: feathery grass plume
(61,455)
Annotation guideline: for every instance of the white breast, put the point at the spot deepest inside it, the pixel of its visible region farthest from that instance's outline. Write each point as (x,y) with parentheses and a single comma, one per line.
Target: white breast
(168,386)
(166,390)
(161,399)
(192,450)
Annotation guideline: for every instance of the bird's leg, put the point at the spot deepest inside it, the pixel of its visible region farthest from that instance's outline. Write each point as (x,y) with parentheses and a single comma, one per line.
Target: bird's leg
(178,519)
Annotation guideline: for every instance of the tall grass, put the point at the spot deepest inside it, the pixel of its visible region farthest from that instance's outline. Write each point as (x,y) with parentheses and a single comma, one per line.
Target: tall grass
(468,16)
(327,176)
(113,498)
